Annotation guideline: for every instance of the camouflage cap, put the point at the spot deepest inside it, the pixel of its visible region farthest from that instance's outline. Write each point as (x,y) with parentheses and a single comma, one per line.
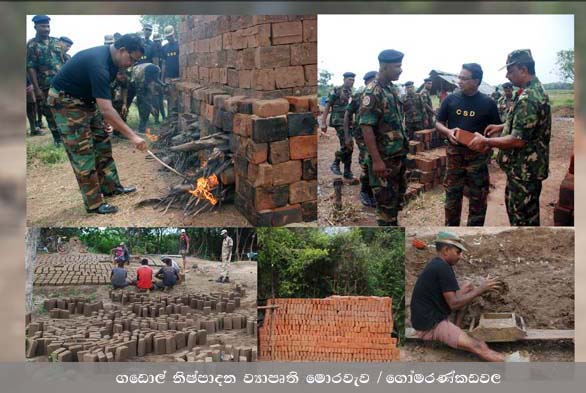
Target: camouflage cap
(348,74)
(117,36)
(519,56)
(108,39)
(369,75)
(507,85)
(390,56)
(67,40)
(451,239)
(39,19)
(408,83)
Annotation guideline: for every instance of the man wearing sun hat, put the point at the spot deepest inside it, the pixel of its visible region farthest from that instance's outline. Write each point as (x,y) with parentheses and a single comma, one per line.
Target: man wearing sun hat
(437,294)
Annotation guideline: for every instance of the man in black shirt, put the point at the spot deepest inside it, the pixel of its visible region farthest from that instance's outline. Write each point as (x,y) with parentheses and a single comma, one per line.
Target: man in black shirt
(437,293)
(170,57)
(77,92)
(469,110)
(149,55)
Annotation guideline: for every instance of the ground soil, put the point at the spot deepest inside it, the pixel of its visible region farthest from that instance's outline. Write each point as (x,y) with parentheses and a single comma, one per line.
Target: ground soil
(428,209)
(537,267)
(53,197)
(200,279)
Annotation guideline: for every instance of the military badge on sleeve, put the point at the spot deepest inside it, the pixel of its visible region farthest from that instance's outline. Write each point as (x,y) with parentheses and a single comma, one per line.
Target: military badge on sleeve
(366,100)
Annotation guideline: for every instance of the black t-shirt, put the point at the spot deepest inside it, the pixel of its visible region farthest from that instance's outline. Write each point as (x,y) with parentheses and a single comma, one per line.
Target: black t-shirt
(428,306)
(147,57)
(171,58)
(470,113)
(88,74)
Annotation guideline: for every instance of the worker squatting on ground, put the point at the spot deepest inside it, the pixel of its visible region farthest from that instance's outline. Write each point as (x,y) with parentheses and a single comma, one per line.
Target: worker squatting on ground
(524,141)
(81,87)
(227,245)
(351,118)
(437,295)
(184,248)
(470,110)
(382,121)
(338,101)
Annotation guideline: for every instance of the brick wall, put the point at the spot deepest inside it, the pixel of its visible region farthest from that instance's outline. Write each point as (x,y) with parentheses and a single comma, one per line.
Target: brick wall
(338,328)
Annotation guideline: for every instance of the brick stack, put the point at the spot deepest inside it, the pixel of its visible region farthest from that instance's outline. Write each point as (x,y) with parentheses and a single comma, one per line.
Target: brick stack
(426,162)
(338,328)
(66,307)
(563,214)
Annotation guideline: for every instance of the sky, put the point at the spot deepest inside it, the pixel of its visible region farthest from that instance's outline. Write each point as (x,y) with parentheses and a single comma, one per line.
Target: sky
(442,42)
(87,31)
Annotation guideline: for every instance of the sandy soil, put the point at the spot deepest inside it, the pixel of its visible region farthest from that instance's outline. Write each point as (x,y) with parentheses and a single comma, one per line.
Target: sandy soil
(537,267)
(428,209)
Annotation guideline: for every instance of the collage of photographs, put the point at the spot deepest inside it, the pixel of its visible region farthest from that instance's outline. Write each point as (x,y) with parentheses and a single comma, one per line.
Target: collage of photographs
(272,188)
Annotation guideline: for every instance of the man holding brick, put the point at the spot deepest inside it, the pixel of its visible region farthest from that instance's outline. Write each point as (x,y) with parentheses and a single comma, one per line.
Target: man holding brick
(467,109)
(524,142)
(437,293)
(382,122)
(338,101)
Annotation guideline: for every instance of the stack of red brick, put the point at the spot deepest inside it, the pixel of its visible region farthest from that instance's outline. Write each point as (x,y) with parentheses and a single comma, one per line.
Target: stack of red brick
(426,162)
(338,328)
(266,56)
(563,214)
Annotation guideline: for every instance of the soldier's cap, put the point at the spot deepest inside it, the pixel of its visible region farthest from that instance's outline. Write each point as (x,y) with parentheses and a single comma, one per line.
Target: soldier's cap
(37,19)
(507,85)
(390,56)
(67,40)
(428,80)
(369,75)
(157,37)
(348,75)
(147,26)
(223,232)
(169,31)
(108,39)
(451,239)
(117,36)
(408,83)
(518,56)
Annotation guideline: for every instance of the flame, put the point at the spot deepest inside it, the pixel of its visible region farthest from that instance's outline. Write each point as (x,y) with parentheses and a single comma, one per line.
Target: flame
(151,137)
(203,188)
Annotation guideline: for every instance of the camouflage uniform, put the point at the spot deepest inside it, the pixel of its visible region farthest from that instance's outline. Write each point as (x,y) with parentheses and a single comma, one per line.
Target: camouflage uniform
(381,108)
(429,121)
(530,120)
(227,245)
(87,145)
(117,89)
(414,108)
(352,109)
(504,106)
(46,58)
(338,100)
(146,94)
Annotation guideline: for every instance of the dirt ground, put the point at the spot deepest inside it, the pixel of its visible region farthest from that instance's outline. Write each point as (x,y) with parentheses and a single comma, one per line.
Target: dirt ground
(428,209)
(537,267)
(53,197)
(200,279)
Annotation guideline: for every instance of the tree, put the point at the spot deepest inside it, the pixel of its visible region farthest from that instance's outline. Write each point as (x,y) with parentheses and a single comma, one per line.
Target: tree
(162,21)
(31,239)
(565,63)
(323,82)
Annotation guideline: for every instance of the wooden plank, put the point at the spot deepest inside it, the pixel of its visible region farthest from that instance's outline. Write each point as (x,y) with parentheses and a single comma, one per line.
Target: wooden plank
(532,334)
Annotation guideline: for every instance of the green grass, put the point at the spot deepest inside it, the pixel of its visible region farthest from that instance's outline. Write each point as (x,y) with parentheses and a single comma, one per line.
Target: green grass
(561,98)
(46,154)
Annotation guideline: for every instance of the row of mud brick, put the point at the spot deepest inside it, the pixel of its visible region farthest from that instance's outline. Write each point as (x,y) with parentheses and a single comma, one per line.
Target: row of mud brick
(81,269)
(108,330)
(214,301)
(64,259)
(262,56)
(66,307)
(563,214)
(338,328)
(218,353)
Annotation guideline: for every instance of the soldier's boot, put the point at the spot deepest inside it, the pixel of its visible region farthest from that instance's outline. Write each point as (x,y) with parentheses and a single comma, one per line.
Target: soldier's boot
(226,280)
(365,199)
(335,167)
(57,141)
(220,279)
(104,208)
(347,171)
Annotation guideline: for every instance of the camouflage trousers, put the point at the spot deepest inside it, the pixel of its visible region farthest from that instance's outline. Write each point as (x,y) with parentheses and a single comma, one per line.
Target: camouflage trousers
(88,147)
(389,192)
(44,109)
(145,104)
(118,106)
(362,161)
(522,201)
(466,169)
(412,127)
(344,154)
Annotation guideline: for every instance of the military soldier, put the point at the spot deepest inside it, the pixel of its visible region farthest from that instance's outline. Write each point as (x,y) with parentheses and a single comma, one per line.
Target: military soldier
(496,94)
(158,53)
(80,88)
(382,122)
(338,101)
(66,44)
(506,101)
(366,196)
(149,55)
(119,91)
(227,245)
(170,68)
(429,121)
(43,58)
(145,81)
(414,108)
(31,108)
(524,142)
(470,110)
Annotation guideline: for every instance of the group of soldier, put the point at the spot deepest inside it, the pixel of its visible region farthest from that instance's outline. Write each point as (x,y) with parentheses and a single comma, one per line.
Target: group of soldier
(146,80)
(86,97)
(383,122)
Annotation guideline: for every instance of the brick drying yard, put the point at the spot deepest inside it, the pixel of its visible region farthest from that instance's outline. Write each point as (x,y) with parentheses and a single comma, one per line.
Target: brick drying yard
(77,317)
